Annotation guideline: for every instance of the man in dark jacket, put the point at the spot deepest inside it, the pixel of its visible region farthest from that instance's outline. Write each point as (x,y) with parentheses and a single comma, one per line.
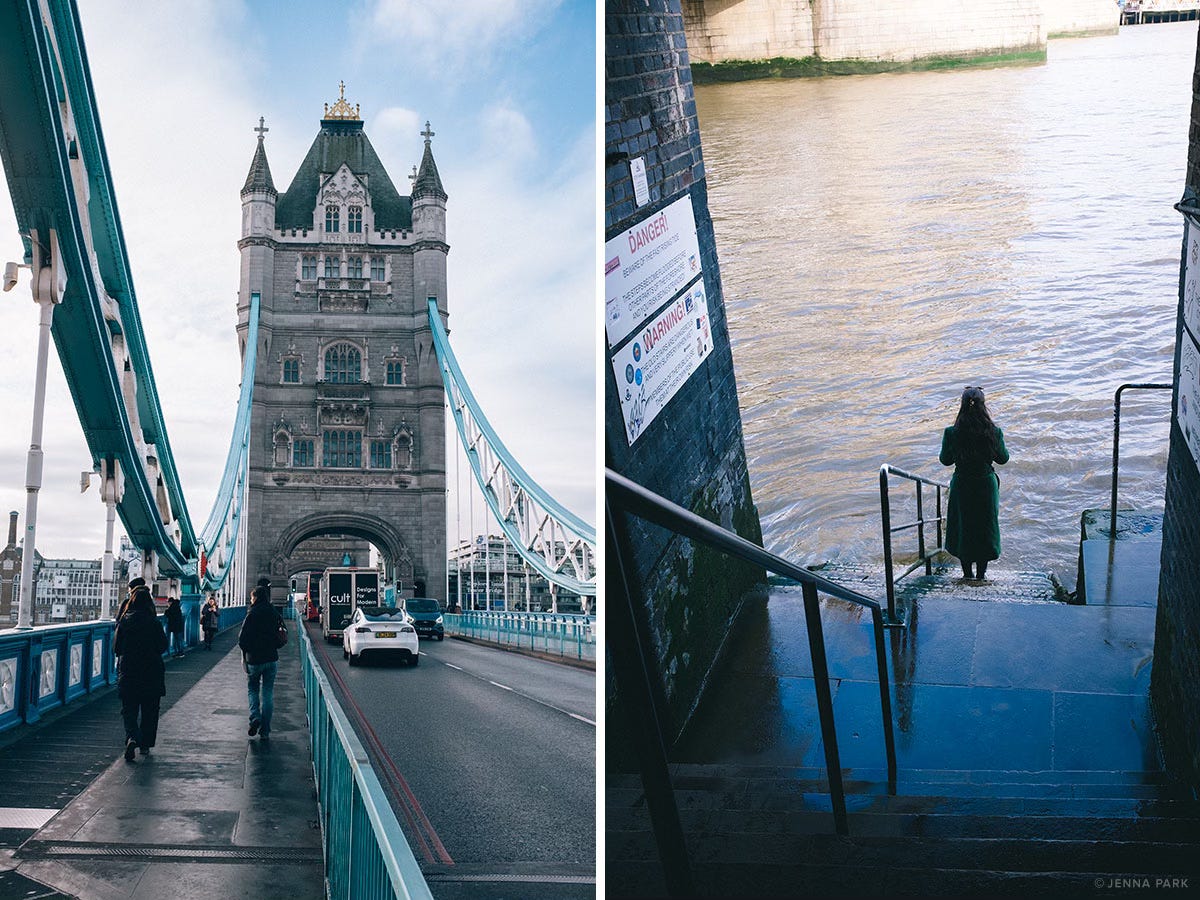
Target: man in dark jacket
(141,677)
(259,640)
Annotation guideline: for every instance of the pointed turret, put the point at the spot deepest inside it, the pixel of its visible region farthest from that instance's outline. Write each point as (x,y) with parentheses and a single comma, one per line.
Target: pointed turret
(428,183)
(429,228)
(259,178)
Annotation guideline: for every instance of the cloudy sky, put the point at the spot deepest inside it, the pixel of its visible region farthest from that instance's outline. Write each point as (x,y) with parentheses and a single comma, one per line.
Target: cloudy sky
(509,87)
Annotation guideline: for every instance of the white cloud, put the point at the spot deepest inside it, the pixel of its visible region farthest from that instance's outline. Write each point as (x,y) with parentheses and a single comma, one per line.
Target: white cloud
(508,132)
(395,123)
(434,29)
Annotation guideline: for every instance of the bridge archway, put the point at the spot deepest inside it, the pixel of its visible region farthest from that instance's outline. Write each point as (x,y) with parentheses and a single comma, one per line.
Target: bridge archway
(384,535)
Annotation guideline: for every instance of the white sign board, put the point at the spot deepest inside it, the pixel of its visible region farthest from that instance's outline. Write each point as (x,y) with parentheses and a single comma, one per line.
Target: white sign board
(647,265)
(660,358)
(1191,282)
(641,187)
(1189,395)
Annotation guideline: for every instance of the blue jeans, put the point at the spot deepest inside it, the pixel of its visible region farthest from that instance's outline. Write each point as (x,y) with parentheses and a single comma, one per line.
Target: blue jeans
(261,712)
(177,643)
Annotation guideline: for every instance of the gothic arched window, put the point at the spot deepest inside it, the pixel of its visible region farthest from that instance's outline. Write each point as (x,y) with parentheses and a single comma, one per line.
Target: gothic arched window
(354,220)
(332,218)
(343,364)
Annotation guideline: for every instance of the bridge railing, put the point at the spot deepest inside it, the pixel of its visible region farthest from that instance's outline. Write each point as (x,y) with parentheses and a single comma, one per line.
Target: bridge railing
(555,634)
(366,853)
(49,666)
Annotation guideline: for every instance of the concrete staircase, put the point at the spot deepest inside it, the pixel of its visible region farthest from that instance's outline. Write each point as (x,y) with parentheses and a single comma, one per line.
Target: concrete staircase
(758,831)
(1027,759)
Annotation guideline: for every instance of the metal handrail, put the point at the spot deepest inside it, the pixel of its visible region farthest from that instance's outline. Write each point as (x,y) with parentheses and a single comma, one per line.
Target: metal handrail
(632,497)
(1112,506)
(923,558)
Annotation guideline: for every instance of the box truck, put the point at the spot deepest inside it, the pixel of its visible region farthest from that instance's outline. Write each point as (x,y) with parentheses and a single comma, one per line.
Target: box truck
(342,590)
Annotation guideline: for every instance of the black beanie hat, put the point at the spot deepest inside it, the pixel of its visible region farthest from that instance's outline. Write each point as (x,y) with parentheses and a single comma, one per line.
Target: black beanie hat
(137,582)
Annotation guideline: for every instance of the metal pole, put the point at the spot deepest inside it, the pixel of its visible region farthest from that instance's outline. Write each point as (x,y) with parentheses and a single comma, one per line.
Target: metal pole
(820,667)
(631,671)
(504,545)
(458,521)
(885,695)
(886,514)
(921,531)
(33,465)
(106,570)
(1112,502)
(487,564)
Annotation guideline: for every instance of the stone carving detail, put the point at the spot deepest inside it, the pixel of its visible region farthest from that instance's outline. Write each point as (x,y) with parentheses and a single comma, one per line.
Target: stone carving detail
(49,680)
(8,685)
(349,479)
(76,673)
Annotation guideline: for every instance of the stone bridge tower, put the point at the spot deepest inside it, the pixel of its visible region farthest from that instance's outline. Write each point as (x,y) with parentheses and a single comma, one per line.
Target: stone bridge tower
(348,422)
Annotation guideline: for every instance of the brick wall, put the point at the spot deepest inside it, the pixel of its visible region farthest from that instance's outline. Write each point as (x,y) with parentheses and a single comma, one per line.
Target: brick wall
(1175,679)
(692,452)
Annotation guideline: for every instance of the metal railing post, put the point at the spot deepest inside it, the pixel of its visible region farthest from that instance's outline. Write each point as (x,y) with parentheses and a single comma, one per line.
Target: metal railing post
(886,512)
(921,531)
(1112,502)
(820,667)
(885,695)
(632,674)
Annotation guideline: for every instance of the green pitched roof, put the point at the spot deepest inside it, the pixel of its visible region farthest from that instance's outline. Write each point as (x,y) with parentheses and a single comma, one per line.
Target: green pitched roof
(342,142)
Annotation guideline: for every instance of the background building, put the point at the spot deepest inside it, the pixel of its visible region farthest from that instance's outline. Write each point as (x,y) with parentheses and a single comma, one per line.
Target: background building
(494,576)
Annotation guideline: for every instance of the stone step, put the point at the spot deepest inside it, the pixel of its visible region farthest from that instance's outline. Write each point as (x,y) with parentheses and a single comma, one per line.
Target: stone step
(725,824)
(1001,585)
(730,780)
(730,880)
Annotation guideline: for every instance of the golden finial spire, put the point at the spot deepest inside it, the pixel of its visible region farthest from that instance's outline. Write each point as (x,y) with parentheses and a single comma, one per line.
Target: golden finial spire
(341,109)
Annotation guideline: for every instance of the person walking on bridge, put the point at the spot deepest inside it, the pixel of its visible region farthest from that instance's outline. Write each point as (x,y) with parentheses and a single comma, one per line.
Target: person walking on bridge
(259,640)
(175,626)
(971,445)
(139,645)
(210,619)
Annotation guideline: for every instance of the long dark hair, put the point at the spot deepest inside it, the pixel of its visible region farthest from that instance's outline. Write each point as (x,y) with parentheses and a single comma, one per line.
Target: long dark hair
(975,430)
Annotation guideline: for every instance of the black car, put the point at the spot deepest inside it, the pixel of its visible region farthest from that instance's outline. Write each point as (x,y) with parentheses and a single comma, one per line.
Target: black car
(426,617)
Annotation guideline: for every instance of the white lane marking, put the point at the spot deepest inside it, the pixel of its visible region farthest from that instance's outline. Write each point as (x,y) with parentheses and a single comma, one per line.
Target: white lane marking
(20,817)
(520,694)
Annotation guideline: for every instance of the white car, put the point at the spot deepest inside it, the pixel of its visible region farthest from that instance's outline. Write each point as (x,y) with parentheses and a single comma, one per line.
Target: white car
(378,630)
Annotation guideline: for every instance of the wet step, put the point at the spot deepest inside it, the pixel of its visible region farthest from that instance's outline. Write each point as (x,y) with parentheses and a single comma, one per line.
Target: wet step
(865,849)
(726,880)
(952,822)
(947,582)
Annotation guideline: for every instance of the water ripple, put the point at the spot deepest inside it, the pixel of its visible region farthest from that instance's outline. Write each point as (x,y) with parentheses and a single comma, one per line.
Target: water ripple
(886,241)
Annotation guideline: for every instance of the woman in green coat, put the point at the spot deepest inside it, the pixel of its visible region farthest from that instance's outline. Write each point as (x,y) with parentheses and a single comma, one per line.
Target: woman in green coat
(971,445)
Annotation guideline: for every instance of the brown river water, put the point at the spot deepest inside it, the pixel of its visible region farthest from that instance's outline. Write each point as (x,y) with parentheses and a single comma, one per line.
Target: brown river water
(887,240)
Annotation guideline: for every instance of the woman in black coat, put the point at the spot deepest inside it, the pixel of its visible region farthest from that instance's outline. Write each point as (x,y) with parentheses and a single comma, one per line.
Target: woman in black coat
(175,625)
(139,645)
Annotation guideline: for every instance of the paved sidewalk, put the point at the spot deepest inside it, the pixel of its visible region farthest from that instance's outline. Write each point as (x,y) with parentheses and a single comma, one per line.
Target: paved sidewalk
(211,813)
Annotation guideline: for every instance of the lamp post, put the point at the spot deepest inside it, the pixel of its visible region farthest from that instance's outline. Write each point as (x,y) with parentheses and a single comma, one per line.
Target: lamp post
(48,283)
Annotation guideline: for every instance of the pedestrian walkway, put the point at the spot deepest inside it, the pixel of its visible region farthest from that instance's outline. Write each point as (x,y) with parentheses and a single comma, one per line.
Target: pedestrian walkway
(210,813)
